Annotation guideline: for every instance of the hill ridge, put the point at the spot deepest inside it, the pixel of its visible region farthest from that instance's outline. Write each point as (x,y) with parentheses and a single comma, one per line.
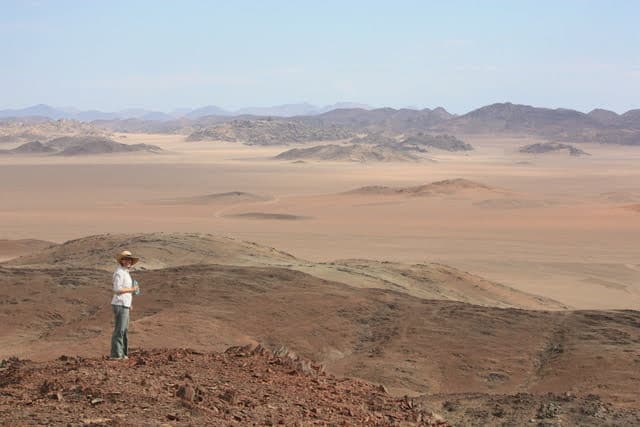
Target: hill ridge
(174,250)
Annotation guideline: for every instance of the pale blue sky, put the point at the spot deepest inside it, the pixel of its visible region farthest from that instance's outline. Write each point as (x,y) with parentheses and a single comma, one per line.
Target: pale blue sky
(460,55)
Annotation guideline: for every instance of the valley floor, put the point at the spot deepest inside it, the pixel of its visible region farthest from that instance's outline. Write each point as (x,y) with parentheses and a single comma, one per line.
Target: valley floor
(564,228)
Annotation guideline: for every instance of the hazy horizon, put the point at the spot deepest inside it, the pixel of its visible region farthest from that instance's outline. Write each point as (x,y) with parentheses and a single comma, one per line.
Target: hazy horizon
(162,57)
(179,111)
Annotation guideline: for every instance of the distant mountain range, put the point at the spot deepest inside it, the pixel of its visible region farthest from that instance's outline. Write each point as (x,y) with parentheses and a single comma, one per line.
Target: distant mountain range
(381,119)
(286,110)
(558,125)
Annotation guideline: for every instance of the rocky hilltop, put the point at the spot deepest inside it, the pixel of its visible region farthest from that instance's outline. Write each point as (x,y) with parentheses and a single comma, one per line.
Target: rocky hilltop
(241,386)
(207,293)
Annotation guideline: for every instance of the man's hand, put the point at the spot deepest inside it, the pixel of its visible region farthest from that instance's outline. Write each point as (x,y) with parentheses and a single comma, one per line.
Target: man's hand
(128,290)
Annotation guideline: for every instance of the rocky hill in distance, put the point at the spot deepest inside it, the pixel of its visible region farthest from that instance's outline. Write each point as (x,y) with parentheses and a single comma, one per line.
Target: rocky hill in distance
(84,146)
(605,117)
(419,139)
(356,153)
(376,138)
(38,128)
(553,124)
(345,121)
(178,126)
(441,142)
(33,147)
(269,132)
(80,146)
(556,125)
(552,147)
(381,119)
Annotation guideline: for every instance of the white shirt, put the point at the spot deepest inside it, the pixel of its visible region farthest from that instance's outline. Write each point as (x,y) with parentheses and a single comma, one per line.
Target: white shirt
(121,279)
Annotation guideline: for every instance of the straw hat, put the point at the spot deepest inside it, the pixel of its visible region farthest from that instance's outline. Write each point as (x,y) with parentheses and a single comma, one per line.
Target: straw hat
(127,254)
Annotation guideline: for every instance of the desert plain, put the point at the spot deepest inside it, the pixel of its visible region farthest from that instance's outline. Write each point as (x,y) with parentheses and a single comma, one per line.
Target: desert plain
(553,225)
(471,281)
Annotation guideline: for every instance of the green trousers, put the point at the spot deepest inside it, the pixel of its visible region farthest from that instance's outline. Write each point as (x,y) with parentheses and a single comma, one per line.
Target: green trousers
(119,343)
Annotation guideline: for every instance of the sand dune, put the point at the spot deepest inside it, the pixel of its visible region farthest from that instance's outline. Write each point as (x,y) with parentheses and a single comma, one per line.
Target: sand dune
(445,187)
(511,203)
(267,216)
(16,248)
(620,197)
(230,197)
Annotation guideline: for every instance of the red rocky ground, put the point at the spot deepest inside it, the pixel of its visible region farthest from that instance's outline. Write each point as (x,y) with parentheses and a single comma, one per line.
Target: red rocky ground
(241,386)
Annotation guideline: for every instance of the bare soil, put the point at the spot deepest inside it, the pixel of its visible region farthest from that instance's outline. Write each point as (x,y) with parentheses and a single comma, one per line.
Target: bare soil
(410,344)
(240,387)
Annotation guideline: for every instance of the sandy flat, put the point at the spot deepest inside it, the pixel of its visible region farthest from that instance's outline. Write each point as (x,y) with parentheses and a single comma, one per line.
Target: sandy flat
(10,249)
(562,231)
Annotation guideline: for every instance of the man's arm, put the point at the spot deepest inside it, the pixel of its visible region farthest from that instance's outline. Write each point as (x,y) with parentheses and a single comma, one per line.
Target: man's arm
(126,290)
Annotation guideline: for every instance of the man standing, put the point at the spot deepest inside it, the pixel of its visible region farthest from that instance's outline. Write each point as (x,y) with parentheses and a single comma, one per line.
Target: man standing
(121,303)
